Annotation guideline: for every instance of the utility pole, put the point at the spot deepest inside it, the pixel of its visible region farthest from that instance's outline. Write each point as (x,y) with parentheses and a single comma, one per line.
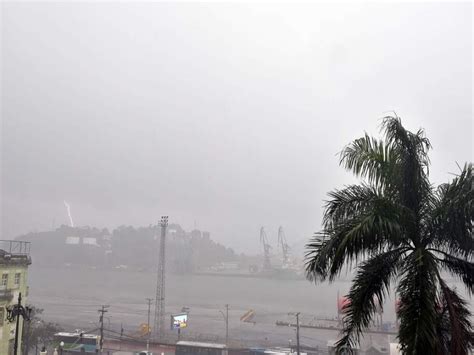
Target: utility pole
(298,333)
(226,324)
(148,319)
(160,285)
(226,318)
(101,321)
(297,314)
(148,323)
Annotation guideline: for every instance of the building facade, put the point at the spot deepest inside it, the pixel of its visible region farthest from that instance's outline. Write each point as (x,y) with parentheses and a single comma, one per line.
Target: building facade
(14,262)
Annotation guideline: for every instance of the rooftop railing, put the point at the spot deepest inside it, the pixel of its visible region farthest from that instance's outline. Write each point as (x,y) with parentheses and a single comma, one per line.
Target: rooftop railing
(15,247)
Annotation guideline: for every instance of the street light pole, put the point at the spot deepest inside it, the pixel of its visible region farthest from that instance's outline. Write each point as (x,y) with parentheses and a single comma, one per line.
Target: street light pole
(148,319)
(148,323)
(298,333)
(13,314)
(226,318)
(226,324)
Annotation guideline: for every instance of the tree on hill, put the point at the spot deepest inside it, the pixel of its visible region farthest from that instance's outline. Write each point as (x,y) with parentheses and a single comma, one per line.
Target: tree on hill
(395,226)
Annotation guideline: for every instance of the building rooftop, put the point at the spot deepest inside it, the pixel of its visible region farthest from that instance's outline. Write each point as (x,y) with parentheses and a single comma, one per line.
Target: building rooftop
(77,335)
(15,251)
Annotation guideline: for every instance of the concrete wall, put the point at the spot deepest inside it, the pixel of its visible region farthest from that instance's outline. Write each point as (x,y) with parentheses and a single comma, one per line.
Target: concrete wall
(7,330)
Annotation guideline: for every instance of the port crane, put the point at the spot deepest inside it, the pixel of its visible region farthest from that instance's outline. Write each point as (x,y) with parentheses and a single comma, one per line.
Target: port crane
(285,248)
(266,249)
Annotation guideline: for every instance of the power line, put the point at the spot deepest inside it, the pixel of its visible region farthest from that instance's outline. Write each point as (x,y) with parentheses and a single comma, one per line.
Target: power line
(122,335)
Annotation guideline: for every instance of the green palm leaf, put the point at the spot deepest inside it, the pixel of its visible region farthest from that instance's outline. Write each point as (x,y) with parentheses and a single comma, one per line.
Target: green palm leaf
(459,330)
(369,289)
(396,225)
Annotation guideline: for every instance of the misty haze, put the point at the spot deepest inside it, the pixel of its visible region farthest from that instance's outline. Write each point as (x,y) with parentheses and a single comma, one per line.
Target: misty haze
(236,178)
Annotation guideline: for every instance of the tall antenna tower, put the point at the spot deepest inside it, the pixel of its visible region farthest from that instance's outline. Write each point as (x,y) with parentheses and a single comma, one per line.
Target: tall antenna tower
(160,285)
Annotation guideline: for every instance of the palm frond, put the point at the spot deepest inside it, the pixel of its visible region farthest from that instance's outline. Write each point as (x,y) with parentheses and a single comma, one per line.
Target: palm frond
(418,297)
(413,161)
(318,257)
(459,336)
(460,268)
(443,328)
(370,231)
(359,220)
(355,200)
(368,290)
(370,158)
(453,215)
(413,145)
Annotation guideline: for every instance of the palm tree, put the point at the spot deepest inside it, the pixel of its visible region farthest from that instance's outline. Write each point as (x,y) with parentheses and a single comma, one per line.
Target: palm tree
(396,228)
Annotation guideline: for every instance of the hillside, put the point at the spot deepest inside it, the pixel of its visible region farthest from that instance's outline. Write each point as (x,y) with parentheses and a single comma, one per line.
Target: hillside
(126,247)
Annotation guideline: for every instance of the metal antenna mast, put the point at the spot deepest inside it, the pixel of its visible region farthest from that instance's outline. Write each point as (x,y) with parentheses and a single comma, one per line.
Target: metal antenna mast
(160,286)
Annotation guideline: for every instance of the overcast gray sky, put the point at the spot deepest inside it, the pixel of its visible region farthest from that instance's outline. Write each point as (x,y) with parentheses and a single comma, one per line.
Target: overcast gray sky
(224,115)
